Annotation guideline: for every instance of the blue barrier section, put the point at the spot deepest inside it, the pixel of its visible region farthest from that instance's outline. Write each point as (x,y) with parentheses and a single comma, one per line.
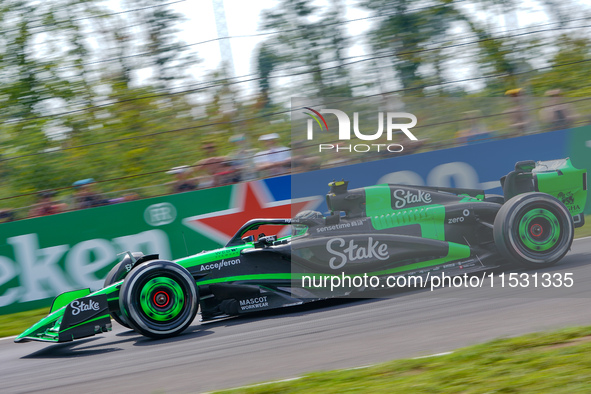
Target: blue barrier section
(477,166)
(279,187)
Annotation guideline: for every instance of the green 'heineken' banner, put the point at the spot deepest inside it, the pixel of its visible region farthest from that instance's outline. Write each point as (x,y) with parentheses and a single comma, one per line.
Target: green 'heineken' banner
(43,257)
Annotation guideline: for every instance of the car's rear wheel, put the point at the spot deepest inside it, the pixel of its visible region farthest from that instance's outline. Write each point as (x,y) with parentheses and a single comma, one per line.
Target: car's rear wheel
(159,299)
(533,229)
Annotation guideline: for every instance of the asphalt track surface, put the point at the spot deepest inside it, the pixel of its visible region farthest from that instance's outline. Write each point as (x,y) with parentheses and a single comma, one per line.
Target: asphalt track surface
(287,344)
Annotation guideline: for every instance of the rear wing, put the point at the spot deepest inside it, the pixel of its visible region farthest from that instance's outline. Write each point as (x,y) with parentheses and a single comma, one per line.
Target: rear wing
(558,178)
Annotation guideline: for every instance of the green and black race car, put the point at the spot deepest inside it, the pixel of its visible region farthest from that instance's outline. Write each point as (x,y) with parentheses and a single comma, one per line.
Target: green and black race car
(383,231)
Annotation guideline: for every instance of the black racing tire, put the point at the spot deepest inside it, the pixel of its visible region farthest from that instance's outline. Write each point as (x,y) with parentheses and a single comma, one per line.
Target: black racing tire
(159,299)
(534,230)
(109,280)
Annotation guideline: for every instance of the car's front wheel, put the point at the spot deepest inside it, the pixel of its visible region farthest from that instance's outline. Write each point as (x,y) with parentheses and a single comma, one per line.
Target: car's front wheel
(533,229)
(159,299)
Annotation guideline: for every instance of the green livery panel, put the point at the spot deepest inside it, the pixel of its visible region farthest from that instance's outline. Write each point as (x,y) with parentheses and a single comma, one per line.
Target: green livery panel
(561,179)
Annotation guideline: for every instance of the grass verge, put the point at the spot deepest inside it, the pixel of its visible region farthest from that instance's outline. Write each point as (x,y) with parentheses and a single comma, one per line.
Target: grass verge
(555,362)
(15,323)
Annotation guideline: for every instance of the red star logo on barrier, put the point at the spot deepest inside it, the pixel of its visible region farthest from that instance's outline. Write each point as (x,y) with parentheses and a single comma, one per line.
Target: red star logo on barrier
(249,201)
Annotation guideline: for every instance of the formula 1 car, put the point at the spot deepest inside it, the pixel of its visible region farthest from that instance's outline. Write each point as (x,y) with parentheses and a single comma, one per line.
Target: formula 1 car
(380,230)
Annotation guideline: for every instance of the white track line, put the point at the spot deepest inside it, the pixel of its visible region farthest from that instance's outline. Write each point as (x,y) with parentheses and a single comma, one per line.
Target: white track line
(337,370)
(260,384)
(433,355)
(578,239)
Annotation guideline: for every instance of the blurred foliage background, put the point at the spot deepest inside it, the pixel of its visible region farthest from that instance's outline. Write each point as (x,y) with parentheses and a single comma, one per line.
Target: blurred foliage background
(91,93)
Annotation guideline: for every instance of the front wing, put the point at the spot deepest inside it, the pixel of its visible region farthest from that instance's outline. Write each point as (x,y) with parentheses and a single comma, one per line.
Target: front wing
(73,315)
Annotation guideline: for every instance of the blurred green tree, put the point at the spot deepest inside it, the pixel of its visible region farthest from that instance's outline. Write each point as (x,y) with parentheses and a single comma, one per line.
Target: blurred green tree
(307,42)
(73,73)
(405,31)
(569,68)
